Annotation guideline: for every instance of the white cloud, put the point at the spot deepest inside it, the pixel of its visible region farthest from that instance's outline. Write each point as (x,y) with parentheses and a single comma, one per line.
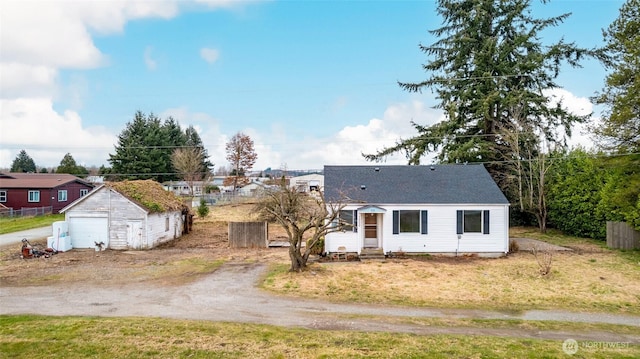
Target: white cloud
(208,128)
(21,80)
(209,55)
(33,125)
(277,149)
(347,146)
(46,33)
(40,38)
(580,106)
(148,60)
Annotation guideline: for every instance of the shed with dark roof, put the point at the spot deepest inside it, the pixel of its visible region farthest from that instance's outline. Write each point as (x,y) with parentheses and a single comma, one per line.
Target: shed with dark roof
(447,209)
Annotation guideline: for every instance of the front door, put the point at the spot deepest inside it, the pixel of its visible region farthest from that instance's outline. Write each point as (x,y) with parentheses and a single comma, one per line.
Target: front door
(371,230)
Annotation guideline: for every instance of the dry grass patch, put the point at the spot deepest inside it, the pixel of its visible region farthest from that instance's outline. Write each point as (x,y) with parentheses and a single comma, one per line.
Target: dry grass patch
(232,212)
(594,282)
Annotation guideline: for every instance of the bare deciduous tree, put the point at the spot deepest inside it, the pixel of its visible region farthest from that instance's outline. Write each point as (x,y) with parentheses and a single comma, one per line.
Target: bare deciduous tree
(302,216)
(241,155)
(188,162)
(528,165)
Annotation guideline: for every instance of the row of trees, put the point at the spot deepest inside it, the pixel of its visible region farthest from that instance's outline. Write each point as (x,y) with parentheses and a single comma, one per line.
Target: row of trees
(24,163)
(149,148)
(587,189)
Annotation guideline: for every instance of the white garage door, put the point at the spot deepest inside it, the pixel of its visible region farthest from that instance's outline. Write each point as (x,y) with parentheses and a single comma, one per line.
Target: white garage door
(86,231)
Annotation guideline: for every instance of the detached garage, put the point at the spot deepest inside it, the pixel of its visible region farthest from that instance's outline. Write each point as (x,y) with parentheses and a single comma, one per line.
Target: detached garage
(126,215)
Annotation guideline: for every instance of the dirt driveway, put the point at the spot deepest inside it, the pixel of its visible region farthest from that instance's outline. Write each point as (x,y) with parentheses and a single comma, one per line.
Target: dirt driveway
(123,284)
(230,294)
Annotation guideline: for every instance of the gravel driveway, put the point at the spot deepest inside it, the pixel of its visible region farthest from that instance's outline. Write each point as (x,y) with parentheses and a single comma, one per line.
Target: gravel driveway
(230,294)
(29,234)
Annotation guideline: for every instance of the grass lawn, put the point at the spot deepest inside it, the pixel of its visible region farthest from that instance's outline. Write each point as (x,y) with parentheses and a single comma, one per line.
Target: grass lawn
(10,225)
(591,278)
(79,337)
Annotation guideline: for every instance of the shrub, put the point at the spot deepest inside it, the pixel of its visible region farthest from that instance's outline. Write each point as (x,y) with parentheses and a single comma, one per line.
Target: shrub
(318,247)
(513,246)
(203,209)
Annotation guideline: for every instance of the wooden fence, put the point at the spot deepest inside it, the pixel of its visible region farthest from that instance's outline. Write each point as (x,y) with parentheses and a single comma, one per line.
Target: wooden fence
(620,235)
(248,235)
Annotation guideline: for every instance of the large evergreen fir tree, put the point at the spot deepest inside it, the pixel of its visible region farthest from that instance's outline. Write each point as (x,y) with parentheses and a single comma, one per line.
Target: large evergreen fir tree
(144,149)
(23,163)
(490,72)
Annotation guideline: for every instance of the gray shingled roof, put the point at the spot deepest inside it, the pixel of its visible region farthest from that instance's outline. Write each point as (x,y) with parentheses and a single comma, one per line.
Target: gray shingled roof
(412,184)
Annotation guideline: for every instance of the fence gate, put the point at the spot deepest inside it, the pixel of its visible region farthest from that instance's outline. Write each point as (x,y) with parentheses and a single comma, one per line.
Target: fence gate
(621,235)
(248,235)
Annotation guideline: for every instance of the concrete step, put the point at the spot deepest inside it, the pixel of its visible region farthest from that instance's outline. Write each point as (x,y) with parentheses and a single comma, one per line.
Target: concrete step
(372,254)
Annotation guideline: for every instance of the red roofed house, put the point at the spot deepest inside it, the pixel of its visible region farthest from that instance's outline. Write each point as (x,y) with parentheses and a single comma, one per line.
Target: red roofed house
(34,190)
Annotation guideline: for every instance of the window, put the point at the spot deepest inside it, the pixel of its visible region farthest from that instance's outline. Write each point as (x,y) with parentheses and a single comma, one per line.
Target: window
(349,220)
(474,221)
(166,224)
(83,192)
(410,221)
(34,196)
(3,196)
(62,195)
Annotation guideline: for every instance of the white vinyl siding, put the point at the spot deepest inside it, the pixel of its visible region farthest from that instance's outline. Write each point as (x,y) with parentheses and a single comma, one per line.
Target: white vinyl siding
(442,237)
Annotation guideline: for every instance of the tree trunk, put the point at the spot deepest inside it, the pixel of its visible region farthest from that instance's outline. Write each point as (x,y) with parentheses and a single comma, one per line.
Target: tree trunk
(298,261)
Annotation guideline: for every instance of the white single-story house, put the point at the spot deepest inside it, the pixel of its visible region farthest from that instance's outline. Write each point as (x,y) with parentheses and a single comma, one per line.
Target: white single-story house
(183,188)
(126,215)
(252,189)
(443,209)
(307,183)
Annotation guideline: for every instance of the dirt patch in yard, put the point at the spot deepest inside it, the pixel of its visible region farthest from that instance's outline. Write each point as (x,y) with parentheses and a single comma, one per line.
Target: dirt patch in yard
(182,260)
(528,245)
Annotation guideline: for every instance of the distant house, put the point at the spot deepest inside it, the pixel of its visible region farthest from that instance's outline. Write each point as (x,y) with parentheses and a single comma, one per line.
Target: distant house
(252,189)
(446,209)
(126,215)
(307,183)
(32,190)
(183,188)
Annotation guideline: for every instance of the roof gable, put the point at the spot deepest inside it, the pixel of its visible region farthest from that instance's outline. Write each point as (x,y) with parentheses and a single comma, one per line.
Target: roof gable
(149,195)
(437,184)
(38,180)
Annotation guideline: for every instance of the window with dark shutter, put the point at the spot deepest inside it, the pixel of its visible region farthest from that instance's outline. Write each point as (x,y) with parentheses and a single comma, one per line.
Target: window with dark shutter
(485,224)
(396,222)
(424,221)
(355,220)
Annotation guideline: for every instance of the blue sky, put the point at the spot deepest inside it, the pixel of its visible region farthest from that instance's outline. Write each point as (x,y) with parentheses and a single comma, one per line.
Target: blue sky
(312,82)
